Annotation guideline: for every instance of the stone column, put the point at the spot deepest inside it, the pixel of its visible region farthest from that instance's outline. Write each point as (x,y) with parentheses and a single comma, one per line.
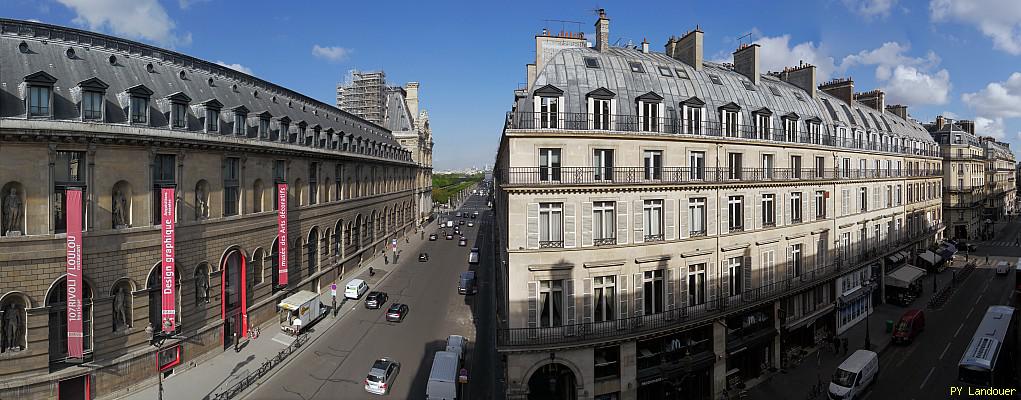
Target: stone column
(778,326)
(720,348)
(629,370)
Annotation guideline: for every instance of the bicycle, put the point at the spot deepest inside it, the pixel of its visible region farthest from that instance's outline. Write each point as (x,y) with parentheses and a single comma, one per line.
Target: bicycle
(254,332)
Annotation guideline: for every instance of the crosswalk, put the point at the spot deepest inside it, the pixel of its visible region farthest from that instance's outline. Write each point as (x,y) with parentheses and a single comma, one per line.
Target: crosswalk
(1000,243)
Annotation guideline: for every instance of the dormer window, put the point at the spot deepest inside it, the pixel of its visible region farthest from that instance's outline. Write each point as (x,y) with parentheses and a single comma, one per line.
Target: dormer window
(601,106)
(790,127)
(546,107)
(764,123)
(730,119)
(284,131)
(179,110)
(650,112)
(40,94)
(693,113)
(301,130)
(138,104)
(240,120)
(212,115)
(93,92)
(317,139)
(264,118)
(813,124)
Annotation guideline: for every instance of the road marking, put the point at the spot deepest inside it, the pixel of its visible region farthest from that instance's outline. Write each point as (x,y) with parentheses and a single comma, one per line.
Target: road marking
(969,312)
(944,351)
(959,329)
(927,376)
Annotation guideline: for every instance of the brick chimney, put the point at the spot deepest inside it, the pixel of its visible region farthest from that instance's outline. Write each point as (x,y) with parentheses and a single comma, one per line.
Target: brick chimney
(841,88)
(967,126)
(898,110)
(802,76)
(688,49)
(412,97)
(874,99)
(746,62)
(939,122)
(602,31)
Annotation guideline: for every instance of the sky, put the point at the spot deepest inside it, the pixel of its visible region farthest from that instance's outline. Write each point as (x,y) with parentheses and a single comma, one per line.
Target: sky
(958,58)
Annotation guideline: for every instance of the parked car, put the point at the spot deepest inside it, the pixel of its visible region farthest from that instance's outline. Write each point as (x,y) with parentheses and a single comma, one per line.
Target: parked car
(381,376)
(463,242)
(910,325)
(1002,268)
(467,284)
(450,236)
(471,224)
(375,300)
(457,214)
(473,256)
(396,312)
(432,237)
(460,222)
(423,257)
(355,288)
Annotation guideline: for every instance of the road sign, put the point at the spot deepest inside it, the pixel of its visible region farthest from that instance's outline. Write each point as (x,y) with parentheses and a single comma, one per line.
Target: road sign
(333,289)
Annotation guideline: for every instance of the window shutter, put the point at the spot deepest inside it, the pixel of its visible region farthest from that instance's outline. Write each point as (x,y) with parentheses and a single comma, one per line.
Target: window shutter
(638,295)
(875,199)
(811,210)
(843,202)
(685,218)
(532,226)
(586,300)
(662,118)
(724,212)
(533,304)
(560,112)
(712,275)
(571,317)
(591,112)
(790,263)
(749,215)
(586,224)
(641,113)
(682,287)
(639,221)
(669,228)
(725,280)
(781,216)
(536,109)
(758,212)
(570,240)
(668,275)
(622,222)
(613,113)
(622,285)
(746,270)
(710,215)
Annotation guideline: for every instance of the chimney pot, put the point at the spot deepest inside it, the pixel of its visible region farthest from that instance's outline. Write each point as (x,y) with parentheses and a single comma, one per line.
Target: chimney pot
(746,62)
(602,31)
(688,49)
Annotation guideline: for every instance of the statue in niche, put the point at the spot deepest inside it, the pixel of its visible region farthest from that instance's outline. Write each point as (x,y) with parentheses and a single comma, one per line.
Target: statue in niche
(120,206)
(120,309)
(201,203)
(12,213)
(202,287)
(13,328)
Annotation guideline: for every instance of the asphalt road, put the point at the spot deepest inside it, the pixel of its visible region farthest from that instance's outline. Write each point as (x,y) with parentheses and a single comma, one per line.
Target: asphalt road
(336,365)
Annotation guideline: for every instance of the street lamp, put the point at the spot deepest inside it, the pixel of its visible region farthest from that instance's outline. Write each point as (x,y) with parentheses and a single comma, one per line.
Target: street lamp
(868,313)
(156,340)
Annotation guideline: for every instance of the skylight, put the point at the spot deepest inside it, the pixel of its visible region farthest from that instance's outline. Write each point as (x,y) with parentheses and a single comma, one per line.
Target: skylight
(636,67)
(681,73)
(748,85)
(774,90)
(591,62)
(665,71)
(715,79)
(799,96)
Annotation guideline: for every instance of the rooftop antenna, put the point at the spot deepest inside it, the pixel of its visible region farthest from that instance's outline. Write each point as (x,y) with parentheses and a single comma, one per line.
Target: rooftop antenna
(563,23)
(740,41)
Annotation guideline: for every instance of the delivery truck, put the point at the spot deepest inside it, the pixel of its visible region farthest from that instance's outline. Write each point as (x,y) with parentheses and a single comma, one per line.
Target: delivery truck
(304,306)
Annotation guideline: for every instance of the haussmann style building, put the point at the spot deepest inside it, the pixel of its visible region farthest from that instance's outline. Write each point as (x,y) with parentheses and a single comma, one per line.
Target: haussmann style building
(671,227)
(121,121)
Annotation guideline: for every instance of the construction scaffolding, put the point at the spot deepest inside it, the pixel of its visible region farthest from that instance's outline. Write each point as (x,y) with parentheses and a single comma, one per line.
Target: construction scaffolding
(364,95)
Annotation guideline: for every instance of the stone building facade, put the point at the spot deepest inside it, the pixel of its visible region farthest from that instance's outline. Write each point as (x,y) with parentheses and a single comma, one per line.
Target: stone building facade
(121,120)
(670,227)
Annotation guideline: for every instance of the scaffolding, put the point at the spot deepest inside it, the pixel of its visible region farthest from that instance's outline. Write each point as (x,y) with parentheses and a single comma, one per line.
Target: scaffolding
(364,95)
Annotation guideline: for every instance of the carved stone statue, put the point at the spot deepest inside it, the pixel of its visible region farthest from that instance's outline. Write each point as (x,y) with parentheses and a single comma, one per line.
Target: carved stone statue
(202,287)
(12,212)
(13,328)
(120,203)
(120,307)
(201,203)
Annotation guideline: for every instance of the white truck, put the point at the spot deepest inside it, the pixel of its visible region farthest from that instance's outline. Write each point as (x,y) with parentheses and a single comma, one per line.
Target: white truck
(303,305)
(442,384)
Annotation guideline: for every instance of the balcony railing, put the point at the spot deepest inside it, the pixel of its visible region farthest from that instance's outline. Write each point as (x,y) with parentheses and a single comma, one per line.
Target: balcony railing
(604,241)
(687,316)
(671,124)
(551,244)
(555,176)
(654,238)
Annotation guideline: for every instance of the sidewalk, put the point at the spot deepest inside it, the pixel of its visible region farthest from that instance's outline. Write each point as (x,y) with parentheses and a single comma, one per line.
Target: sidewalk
(221,371)
(819,364)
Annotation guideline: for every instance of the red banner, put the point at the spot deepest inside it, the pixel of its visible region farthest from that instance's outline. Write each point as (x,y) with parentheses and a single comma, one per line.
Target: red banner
(167,213)
(75,337)
(282,233)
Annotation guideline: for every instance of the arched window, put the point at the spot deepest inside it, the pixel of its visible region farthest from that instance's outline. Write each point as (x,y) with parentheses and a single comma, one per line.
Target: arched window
(274,261)
(312,249)
(337,231)
(258,271)
(258,192)
(56,303)
(153,285)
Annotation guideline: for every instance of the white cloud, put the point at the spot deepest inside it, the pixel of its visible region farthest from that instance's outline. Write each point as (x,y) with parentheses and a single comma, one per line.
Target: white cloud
(990,127)
(909,85)
(185,4)
(334,53)
(997,99)
(236,67)
(1000,20)
(138,19)
(777,53)
(949,114)
(870,8)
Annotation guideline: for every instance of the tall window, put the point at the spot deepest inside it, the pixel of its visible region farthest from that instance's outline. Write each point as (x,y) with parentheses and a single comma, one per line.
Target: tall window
(735,213)
(731,125)
(767,166)
(601,114)
(549,109)
(39,101)
(240,123)
(549,165)
(696,284)
(649,112)
(652,285)
(790,129)
(603,289)
(863,198)
(653,164)
(163,173)
(820,167)
(693,120)
(762,122)
(264,127)
(313,183)
(820,204)
(796,262)
(889,195)
(179,115)
(696,216)
(551,216)
(551,303)
(796,167)
(212,120)
(768,210)
(845,168)
(736,272)
(92,105)
(795,207)
(604,230)
(813,132)
(899,198)
(734,166)
(68,173)
(768,267)
(696,163)
(652,212)
(231,186)
(602,161)
(139,109)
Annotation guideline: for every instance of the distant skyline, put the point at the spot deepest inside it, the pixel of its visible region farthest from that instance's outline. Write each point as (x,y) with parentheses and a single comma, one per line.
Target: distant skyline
(956,58)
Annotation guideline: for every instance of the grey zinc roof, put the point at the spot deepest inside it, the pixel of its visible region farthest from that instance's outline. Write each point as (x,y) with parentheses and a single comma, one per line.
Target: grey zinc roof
(47,51)
(398,118)
(567,71)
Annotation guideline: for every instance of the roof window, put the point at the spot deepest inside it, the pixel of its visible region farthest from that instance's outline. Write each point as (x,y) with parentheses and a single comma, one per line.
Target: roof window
(665,71)
(591,62)
(748,85)
(799,96)
(774,90)
(636,67)
(681,73)
(716,79)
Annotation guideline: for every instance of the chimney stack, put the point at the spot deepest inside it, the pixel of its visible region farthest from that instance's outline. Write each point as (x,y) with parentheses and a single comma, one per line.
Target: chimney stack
(602,31)
(645,46)
(898,110)
(939,122)
(874,99)
(746,62)
(967,126)
(841,88)
(802,76)
(688,49)
(412,97)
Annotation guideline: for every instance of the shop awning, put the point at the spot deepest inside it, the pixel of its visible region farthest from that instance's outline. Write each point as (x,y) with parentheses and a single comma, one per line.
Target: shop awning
(904,276)
(897,257)
(930,257)
(945,253)
(951,248)
(810,318)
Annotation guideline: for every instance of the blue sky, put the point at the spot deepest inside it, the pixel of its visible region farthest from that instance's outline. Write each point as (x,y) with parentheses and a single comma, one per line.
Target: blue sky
(952,57)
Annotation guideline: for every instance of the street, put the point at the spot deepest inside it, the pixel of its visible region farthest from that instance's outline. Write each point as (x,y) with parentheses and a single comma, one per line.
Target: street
(338,362)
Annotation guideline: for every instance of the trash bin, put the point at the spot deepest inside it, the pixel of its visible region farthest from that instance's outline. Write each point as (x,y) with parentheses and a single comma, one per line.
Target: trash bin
(889,325)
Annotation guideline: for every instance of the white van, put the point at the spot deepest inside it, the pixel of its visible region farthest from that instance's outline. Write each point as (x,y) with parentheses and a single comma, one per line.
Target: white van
(442,384)
(355,289)
(854,375)
(456,344)
(1002,268)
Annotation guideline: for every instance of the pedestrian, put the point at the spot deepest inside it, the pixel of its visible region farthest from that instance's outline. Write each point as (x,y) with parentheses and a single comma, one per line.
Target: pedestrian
(844,344)
(835,341)
(236,347)
(297,326)
(334,307)
(386,260)
(987,259)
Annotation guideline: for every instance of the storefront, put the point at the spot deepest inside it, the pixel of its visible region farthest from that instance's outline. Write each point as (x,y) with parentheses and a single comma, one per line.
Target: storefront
(904,285)
(932,261)
(749,345)
(678,366)
(853,300)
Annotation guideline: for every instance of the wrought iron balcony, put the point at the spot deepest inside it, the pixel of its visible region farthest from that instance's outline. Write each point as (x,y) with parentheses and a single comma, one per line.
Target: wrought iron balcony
(698,233)
(550,244)
(654,238)
(604,241)
(732,229)
(556,176)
